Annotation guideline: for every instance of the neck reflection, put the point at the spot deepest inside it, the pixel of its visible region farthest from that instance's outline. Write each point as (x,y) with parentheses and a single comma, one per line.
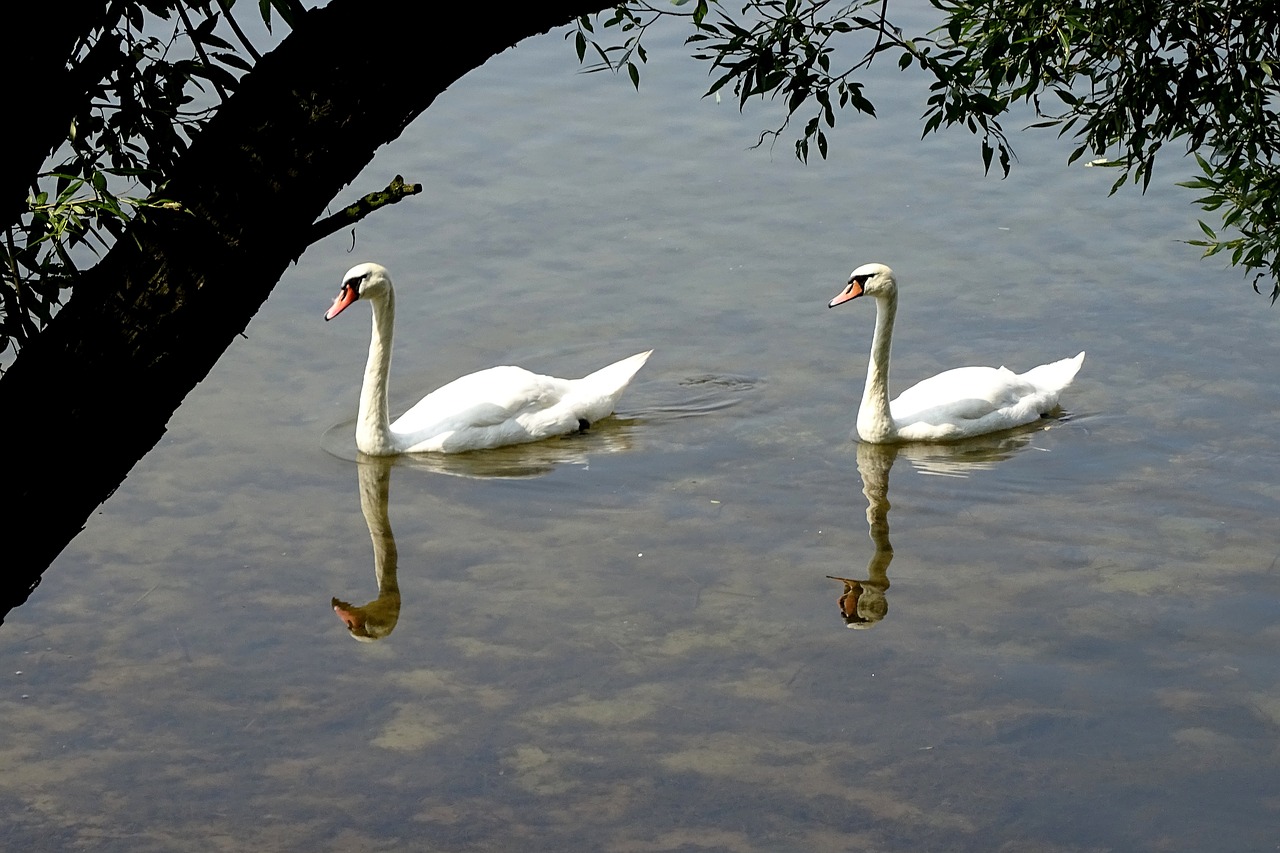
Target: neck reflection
(378,618)
(862,602)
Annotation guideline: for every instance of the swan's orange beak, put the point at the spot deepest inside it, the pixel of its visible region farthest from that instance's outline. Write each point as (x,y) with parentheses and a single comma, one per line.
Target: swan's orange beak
(853,291)
(350,615)
(346,296)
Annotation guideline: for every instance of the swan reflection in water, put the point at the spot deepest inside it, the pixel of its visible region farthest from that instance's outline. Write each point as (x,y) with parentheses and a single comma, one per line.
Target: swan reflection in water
(863,602)
(378,618)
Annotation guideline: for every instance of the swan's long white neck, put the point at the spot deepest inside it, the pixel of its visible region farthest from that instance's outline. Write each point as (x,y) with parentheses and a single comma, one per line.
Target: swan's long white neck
(373,424)
(874,421)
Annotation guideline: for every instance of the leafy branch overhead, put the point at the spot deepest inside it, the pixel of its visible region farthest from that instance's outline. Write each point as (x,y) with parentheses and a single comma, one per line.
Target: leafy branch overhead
(1122,80)
(142,82)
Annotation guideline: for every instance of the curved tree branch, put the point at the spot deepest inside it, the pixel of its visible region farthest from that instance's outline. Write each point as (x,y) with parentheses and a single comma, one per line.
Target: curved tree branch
(395,192)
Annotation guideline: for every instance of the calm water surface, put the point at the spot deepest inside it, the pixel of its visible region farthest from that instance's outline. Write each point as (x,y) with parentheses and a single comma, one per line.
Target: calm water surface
(628,640)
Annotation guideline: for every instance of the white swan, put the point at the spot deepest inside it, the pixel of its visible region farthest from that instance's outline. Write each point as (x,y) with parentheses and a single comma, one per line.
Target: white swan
(955,404)
(491,408)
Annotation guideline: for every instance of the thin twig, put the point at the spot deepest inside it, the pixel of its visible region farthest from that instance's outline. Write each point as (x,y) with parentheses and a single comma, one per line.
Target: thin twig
(204,57)
(235,28)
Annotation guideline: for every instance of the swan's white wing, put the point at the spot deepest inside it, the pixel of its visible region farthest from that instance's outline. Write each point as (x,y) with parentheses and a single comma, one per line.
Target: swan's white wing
(510,405)
(968,401)
(486,398)
(965,393)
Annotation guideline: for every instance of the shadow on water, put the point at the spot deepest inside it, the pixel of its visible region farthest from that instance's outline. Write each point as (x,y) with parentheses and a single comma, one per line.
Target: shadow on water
(863,602)
(611,435)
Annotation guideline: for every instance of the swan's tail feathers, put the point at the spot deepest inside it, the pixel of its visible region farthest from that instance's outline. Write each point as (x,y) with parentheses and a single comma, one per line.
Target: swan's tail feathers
(604,387)
(618,374)
(1056,375)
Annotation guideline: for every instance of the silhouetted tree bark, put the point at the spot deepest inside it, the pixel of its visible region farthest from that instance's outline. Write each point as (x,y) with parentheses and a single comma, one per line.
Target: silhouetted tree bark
(41,91)
(91,395)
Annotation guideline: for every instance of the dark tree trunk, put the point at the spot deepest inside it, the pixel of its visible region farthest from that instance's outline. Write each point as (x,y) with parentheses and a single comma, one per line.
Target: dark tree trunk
(42,94)
(149,322)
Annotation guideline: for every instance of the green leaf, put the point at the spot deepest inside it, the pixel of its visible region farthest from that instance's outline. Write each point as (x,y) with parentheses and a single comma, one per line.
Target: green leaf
(234,60)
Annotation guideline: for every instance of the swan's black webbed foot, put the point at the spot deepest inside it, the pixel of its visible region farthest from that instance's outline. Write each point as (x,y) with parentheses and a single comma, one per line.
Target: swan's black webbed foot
(583,424)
